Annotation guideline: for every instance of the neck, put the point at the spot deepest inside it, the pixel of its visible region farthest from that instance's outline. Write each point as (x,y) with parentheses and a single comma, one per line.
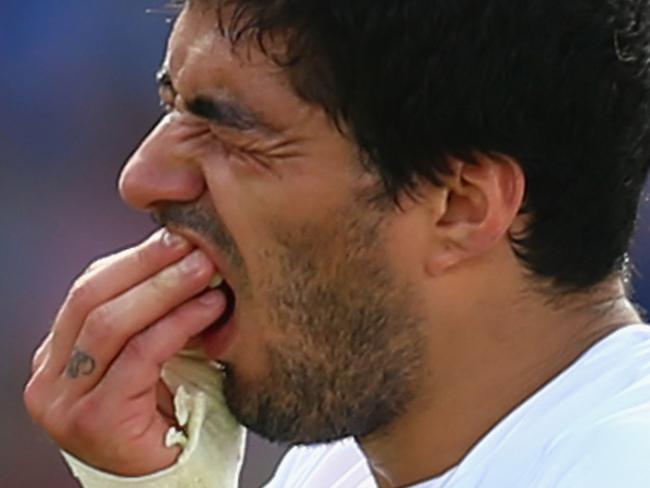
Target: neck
(483,368)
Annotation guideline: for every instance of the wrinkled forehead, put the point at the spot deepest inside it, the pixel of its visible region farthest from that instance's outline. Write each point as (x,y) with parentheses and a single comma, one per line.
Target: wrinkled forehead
(202,61)
(204,22)
(200,52)
(194,37)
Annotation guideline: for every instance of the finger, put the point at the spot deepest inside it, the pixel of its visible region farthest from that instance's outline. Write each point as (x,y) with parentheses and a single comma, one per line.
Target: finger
(109,327)
(137,369)
(41,353)
(124,438)
(165,401)
(108,280)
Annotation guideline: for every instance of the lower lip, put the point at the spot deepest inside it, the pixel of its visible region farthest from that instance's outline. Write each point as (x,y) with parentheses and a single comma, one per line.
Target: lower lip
(215,342)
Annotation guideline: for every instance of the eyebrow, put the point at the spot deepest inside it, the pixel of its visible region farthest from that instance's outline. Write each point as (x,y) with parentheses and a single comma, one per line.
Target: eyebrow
(221,111)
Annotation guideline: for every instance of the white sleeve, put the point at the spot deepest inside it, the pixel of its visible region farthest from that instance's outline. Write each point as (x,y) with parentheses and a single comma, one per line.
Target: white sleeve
(212,440)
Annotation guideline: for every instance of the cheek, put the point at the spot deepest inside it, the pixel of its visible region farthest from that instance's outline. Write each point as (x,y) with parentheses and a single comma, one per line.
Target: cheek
(234,202)
(250,355)
(249,209)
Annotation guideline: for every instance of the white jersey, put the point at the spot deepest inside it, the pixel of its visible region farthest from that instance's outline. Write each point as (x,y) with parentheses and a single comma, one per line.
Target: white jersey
(589,427)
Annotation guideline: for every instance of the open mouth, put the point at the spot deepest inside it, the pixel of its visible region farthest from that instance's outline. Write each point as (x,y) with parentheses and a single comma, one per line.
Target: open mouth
(217,338)
(219,283)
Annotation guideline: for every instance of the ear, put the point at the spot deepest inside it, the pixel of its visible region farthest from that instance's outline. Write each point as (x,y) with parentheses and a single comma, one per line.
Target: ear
(475,210)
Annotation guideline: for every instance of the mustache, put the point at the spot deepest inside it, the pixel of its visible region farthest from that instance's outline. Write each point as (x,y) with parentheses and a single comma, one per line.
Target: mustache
(208,224)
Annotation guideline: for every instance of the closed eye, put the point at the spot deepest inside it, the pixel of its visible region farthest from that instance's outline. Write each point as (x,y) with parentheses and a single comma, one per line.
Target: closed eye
(166,106)
(166,90)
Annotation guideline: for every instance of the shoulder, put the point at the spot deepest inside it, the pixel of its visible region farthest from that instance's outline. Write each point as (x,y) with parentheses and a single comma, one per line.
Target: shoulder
(611,452)
(321,465)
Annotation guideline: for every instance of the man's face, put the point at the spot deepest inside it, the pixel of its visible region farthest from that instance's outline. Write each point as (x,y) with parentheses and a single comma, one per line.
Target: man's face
(327,340)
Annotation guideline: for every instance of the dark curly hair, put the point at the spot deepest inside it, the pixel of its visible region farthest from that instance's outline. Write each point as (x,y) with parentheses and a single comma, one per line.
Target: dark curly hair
(561,87)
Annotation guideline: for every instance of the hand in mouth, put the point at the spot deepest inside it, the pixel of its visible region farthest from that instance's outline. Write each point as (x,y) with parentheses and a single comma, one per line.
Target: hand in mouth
(215,339)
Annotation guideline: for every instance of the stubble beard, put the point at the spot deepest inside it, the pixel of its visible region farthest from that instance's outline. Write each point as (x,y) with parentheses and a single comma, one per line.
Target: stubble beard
(351,349)
(351,346)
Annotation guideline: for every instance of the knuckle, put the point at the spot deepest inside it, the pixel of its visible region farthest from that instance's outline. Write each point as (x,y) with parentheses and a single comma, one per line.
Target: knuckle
(41,407)
(162,282)
(95,265)
(99,325)
(37,360)
(142,256)
(39,355)
(81,293)
(32,398)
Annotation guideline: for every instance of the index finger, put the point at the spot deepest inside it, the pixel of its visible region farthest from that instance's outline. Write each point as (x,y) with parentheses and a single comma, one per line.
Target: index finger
(115,275)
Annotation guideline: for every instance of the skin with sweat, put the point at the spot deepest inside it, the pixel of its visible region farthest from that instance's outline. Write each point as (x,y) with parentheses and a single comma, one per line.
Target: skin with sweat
(354,317)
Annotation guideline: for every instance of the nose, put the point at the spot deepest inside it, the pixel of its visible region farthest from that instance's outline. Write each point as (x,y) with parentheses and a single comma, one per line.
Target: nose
(159,172)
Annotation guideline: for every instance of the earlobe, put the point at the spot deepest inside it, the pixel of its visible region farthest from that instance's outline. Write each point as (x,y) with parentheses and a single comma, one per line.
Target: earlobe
(444,257)
(482,200)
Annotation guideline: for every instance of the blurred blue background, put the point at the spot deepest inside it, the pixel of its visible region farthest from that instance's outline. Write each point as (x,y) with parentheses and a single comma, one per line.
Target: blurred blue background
(77,94)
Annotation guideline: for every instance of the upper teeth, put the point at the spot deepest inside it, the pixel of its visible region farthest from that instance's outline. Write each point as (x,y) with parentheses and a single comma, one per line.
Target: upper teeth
(216,280)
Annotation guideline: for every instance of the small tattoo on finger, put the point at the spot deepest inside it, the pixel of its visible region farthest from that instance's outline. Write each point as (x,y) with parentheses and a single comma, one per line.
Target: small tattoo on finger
(81,364)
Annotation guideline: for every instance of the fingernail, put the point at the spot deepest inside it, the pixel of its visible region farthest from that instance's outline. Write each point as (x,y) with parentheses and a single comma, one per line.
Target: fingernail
(192,262)
(210,298)
(173,240)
